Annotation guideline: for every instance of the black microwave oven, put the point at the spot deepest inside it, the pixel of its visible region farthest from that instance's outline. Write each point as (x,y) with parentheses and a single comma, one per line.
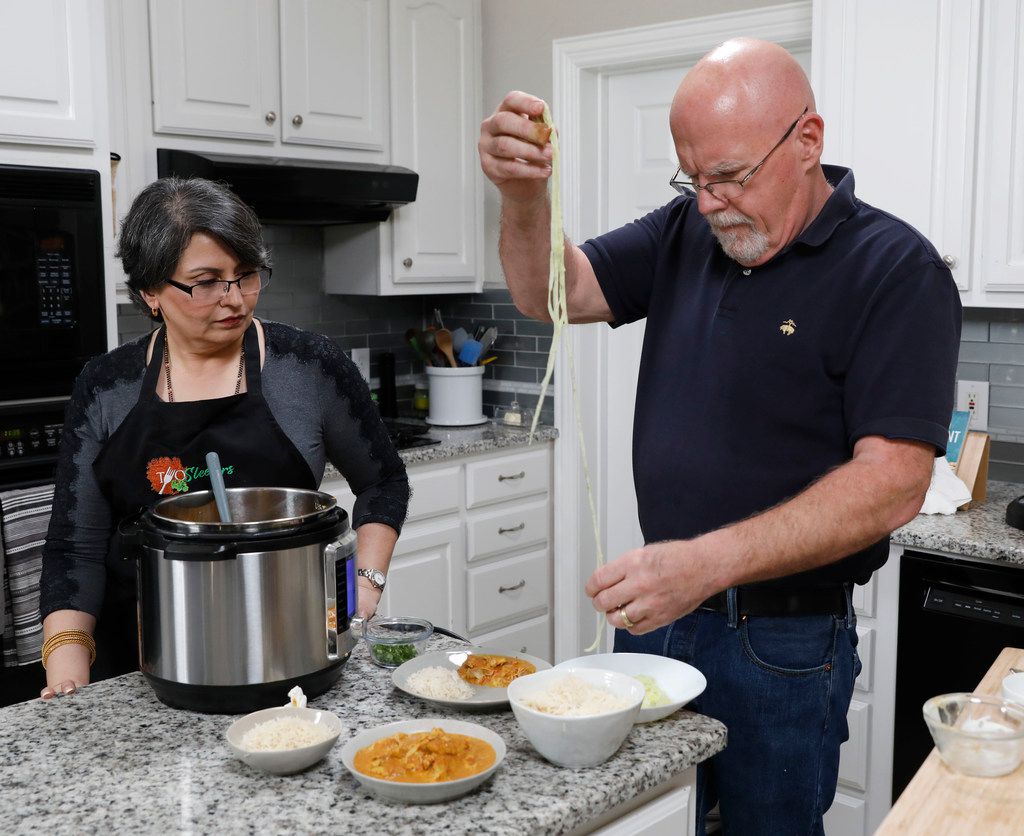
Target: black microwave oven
(52,304)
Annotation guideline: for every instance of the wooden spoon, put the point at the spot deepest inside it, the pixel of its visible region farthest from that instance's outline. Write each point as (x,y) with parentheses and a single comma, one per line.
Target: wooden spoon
(443,340)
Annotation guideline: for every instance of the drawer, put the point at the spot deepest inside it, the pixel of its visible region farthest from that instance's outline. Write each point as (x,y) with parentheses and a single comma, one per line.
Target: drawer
(509,590)
(434,492)
(866,651)
(507,527)
(508,477)
(847,815)
(853,756)
(533,637)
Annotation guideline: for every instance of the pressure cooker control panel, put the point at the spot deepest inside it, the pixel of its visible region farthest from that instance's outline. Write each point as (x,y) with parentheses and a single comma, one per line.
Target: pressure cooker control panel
(974,607)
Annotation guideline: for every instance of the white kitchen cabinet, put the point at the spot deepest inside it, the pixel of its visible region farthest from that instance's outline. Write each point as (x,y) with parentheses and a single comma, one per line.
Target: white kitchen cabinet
(485,572)
(308,72)
(48,49)
(435,105)
(919,99)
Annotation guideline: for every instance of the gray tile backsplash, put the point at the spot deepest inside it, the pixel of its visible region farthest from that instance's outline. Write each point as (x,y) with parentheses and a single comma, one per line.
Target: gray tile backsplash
(379,323)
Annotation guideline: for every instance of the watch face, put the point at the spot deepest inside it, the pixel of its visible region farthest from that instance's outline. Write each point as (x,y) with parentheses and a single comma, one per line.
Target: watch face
(377,576)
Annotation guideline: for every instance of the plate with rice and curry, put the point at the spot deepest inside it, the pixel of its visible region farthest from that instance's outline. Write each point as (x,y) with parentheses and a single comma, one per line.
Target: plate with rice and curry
(467,678)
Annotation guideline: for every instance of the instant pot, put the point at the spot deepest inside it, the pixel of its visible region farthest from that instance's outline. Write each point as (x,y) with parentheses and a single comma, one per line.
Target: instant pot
(233,615)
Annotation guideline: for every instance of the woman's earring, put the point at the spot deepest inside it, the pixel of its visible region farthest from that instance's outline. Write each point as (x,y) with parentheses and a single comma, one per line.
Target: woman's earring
(155,311)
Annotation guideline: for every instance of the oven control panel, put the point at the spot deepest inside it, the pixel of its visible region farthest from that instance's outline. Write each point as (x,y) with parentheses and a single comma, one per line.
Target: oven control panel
(992,610)
(24,441)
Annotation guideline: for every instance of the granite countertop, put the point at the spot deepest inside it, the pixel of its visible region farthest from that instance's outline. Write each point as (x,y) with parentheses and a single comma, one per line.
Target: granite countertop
(980,531)
(455,442)
(112,756)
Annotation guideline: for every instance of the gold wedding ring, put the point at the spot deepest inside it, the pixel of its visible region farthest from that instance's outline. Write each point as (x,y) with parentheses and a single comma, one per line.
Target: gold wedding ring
(625,618)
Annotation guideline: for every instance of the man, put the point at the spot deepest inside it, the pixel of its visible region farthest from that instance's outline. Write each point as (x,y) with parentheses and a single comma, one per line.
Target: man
(795,385)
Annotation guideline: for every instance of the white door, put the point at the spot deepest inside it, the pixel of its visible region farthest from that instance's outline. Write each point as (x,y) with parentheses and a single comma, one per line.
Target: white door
(436,102)
(334,65)
(215,68)
(46,72)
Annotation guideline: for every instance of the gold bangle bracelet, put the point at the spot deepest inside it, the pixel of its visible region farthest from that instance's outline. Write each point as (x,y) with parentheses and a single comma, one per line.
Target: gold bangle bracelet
(69,637)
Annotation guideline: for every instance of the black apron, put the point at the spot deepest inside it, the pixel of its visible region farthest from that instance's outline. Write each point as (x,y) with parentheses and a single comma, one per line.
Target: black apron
(159,451)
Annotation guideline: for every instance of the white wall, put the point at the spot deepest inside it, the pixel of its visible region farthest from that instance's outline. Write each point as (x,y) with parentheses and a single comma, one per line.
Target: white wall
(517,36)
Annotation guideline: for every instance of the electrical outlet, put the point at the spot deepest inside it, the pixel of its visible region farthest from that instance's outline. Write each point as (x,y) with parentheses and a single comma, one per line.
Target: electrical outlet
(361,357)
(972,395)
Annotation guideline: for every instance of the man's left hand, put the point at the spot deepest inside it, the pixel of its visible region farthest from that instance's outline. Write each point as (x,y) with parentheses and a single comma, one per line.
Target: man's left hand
(651,586)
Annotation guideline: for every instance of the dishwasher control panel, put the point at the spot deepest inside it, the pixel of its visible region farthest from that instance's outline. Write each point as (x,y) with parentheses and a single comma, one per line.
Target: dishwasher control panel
(938,599)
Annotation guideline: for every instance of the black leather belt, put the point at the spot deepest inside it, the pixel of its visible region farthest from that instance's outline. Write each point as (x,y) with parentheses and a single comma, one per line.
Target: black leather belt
(822,601)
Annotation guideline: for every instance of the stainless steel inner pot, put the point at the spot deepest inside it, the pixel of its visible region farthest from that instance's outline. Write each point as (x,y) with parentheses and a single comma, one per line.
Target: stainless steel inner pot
(253,510)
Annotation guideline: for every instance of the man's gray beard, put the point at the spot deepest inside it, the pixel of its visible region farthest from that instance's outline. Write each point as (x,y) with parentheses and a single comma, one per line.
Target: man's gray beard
(741,243)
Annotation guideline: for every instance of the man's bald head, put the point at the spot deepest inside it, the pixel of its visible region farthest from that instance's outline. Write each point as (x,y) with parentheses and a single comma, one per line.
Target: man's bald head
(744,83)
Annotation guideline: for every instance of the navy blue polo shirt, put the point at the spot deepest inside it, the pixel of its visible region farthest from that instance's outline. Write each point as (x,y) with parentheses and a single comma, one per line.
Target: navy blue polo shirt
(755,382)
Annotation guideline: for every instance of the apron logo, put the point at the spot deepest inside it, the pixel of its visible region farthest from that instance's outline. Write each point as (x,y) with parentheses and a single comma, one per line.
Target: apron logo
(168,475)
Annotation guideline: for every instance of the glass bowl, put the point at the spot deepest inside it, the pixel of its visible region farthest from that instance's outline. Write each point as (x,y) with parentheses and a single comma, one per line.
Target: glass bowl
(393,640)
(976,735)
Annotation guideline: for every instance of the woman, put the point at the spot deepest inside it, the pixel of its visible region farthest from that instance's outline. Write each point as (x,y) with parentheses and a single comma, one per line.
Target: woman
(274,403)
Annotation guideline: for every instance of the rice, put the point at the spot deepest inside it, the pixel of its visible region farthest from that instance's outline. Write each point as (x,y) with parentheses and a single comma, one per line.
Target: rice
(285,733)
(574,697)
(439,683)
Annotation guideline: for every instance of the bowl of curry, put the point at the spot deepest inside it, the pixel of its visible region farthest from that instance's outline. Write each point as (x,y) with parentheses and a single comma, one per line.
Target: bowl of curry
(423,761)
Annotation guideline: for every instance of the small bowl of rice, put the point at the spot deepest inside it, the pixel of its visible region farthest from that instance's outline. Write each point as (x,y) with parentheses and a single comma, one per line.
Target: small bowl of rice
(576,717)
(283,740)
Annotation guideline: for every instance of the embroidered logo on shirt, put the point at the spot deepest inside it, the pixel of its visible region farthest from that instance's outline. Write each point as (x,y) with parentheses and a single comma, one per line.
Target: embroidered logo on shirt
(788,327)
(168,475)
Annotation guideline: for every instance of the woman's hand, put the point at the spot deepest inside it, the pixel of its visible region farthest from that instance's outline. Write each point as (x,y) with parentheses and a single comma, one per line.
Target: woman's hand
(367,598)
(67,670)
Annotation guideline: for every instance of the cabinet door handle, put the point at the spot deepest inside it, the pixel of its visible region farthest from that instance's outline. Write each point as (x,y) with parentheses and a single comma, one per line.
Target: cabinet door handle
(297,121)
(519,585)
(270,118)
(407,262)
(519,527)
(502,477)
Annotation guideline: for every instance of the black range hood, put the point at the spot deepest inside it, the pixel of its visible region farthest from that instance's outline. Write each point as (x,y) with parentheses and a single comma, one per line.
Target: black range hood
(300,191)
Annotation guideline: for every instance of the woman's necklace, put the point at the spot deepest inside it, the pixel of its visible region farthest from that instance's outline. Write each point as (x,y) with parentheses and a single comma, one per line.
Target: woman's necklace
(167,372)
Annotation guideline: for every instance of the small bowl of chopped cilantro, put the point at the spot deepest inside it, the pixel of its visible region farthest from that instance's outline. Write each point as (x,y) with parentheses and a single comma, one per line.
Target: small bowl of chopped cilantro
(393,640)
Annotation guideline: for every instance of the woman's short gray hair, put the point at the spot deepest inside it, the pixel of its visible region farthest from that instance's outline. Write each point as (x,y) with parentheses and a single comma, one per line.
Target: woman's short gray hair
(165,216)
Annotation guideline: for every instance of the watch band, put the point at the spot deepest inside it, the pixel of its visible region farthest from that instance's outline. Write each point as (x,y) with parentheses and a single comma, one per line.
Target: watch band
(372,576)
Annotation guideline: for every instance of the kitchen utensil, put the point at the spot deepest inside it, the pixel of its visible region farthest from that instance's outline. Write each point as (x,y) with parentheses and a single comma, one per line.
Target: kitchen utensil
(395,640)
(438,320)
(487,340)
(456,396)
(283,761)
(975,734)
(443,340)
(680,682)
(422,793)
(429,343)
(576,742)
(483,697)
(459,337)
(217,482)
(233,615)
(488,360)
(415,339)
(470,353)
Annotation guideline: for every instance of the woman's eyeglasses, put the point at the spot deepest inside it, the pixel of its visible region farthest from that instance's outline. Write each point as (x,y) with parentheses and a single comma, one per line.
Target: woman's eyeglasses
(209,291)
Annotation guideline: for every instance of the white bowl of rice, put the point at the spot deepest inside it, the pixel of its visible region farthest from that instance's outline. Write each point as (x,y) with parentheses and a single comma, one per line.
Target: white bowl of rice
(576,717)
(283,740)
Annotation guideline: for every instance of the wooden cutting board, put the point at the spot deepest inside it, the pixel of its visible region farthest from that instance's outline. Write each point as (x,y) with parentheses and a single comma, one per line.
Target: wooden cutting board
(940,801)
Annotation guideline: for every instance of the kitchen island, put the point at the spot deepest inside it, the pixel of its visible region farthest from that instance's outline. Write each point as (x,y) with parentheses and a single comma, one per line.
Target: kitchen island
(114,758)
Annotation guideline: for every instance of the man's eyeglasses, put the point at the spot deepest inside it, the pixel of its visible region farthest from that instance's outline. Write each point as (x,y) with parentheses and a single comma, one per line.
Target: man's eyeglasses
(729,189)
(209,291)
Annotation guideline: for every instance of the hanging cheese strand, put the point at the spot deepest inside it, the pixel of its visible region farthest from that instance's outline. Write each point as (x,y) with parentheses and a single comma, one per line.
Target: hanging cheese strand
(558,310)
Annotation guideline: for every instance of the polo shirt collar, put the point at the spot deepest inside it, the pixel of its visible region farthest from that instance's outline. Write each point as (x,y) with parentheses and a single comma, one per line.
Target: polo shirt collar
(840,205)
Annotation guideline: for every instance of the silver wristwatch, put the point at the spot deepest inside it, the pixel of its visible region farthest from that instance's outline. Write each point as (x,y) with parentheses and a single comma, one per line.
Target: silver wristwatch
(376,578)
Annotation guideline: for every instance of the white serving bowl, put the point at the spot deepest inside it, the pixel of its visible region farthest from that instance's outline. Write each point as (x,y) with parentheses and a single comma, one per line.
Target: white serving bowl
(576,742)
(283,761)
(422,793)
(680,682)
(1013,688)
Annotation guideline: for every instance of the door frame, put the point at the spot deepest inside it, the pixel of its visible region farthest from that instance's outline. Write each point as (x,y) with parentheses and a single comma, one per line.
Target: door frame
(581,66)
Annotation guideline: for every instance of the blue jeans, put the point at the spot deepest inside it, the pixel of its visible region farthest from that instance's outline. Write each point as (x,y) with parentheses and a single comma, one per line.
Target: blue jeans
(782,687)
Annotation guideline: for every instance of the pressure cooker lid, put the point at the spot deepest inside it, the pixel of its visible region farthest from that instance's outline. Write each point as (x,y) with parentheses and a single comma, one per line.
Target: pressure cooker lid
(253,511)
